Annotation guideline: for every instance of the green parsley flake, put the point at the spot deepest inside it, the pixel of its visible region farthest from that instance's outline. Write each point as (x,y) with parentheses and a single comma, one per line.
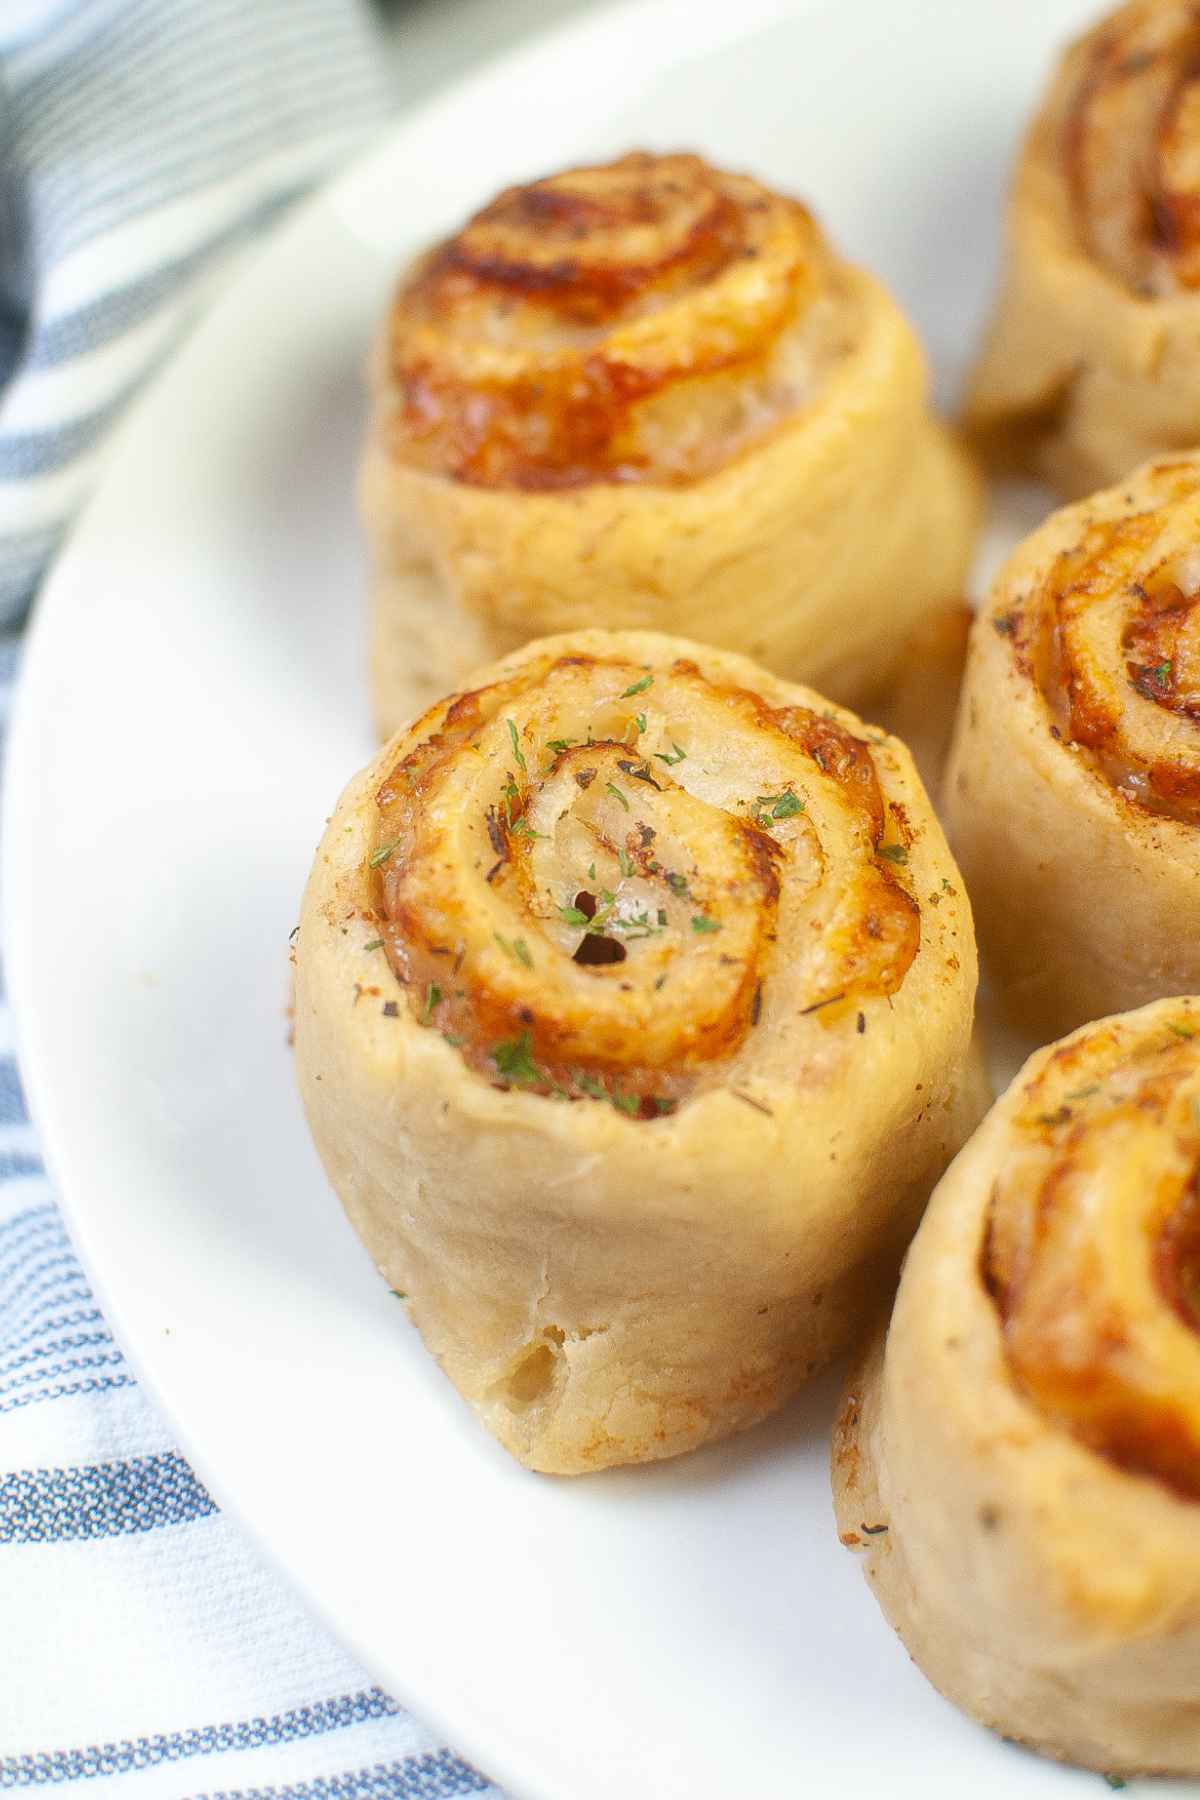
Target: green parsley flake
(627,1103)
(893,853)
(518,827)
(617,794)
(382,855)
(677,756)
(1153,679)
(1181,1031)
(639,687)
(517,948)
(559,745)
(375,944)
(514,1061)
(571,915)
(640,721)
(433,998)
(639,924)
(769,807)
(701,923)
(512,732)
(624,862)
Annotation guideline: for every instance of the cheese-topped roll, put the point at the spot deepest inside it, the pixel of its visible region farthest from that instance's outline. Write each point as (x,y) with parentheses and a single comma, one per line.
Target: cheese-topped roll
(633,1007)
(651,394)
(1019,1464)
(1093,359)
(1073,792)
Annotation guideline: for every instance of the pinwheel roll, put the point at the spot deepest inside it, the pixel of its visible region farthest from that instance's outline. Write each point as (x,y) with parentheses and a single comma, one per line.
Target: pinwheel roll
(633,1003)
(1020,1464)
(650,395)
(1073,792)
(1093,360)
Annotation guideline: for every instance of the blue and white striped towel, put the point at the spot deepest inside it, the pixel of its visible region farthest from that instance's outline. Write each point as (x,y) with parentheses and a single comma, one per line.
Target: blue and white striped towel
(143,1647)
(141,143)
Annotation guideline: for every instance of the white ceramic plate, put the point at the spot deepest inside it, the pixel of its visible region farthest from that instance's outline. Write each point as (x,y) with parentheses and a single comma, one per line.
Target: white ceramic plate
(193,702)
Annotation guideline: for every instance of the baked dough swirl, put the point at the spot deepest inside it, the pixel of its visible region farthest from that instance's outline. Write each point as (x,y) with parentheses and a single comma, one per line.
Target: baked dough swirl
(649,394)
(545,345)
(1073,791)
(1021,1465)
(1093,360)
(633,1004)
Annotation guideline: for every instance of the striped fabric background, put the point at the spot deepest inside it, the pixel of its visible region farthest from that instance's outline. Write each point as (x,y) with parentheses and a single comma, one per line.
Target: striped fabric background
(144,1649)
(142,142)
(137,1630)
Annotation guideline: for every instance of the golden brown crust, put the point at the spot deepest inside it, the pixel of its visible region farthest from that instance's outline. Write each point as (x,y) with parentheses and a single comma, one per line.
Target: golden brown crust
(1091,1245)
(567,332)
(1092,363)
(1017,1466)
(1111,640)
(1073,793)
(607,1278)
(1131,145)
(586,910)
(650,396)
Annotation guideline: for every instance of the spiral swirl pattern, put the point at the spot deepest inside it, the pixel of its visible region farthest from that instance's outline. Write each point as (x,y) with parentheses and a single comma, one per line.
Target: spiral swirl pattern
(1111,635)
(628,322)
(1023,1441)
(1093,1249)
(584,870)
(1090,366)
(1131,146)
(633,1002)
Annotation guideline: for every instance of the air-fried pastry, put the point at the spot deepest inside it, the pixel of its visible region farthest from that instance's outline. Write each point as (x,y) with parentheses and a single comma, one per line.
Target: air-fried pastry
(650,394)
(1073,792)
(1019,1465)
(1092,363)
(633,1006)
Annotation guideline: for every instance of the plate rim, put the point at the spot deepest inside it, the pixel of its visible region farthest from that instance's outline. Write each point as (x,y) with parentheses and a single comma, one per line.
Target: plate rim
(499,1753)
